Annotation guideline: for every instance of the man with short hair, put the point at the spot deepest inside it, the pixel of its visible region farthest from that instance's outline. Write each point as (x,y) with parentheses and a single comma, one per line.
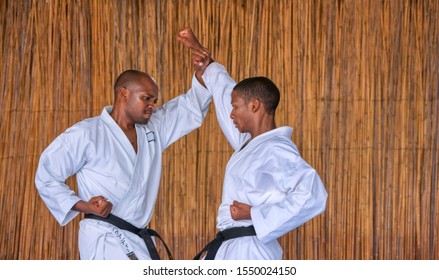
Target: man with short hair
(269,189)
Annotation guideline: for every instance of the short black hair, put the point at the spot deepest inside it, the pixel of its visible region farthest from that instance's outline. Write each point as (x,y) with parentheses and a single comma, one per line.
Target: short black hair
(260,88)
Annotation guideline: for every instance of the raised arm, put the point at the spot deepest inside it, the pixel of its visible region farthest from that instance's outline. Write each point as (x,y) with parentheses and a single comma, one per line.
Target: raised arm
(217,80)
(186,112)
(181,115)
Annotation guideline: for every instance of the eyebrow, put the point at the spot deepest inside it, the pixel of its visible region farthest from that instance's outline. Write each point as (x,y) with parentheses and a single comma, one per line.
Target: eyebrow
(149,93)
(156,97)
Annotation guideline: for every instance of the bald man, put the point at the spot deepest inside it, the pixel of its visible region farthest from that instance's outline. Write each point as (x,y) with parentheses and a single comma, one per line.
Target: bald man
(117,159)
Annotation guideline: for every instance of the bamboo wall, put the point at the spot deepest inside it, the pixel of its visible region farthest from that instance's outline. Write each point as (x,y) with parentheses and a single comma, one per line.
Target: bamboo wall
(360,85)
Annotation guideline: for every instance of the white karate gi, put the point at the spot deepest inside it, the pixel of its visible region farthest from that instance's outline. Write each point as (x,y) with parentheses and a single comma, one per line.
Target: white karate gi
(269,174)
(105,163)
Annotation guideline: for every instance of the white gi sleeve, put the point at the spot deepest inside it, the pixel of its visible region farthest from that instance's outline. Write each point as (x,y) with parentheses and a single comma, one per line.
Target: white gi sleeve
(305,198)
(220,84)
(55,166)
(182,114)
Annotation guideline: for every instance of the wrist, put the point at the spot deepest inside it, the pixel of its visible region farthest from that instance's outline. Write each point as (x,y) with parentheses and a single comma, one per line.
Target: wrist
(81,206)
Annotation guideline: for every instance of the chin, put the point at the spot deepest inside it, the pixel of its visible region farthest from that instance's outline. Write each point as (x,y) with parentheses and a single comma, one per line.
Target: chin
(239,128)
(143,121)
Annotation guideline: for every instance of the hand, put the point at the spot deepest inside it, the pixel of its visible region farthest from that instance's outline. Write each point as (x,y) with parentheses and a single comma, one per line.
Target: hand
(98,205)
(240,211)
(201,59)
(189,40)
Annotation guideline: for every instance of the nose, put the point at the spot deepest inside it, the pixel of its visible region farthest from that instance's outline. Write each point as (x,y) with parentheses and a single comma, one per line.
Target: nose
(232,115)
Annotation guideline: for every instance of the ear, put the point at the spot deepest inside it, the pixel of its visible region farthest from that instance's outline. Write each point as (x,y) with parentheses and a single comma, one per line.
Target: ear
(122,93)
(255,105)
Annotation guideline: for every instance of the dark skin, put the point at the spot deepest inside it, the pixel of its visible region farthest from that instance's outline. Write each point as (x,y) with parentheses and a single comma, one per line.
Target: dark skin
(98,205)
(134,104)
(249,117)
(127,125)
(200,55)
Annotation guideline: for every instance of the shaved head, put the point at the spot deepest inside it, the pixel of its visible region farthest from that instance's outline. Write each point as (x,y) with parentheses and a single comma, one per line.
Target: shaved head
(129,78)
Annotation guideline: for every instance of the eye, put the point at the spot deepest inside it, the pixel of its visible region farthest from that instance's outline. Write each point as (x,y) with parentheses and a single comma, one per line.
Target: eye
(149,99)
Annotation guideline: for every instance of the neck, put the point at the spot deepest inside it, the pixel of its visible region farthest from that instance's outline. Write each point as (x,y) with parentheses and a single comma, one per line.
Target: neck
(120,118)
(263,127)
(127,127)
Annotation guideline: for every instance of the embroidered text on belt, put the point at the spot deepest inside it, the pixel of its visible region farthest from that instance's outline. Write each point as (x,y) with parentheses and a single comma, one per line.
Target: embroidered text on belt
(144,233)
(230,233)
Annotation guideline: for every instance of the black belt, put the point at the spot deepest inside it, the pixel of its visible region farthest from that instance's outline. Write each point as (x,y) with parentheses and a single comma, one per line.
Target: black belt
(230,233)
(144,233)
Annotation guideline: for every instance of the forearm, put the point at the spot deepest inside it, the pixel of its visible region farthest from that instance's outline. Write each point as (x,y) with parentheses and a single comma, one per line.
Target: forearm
(200,71)
(220,84)
(81,206)
(182,114)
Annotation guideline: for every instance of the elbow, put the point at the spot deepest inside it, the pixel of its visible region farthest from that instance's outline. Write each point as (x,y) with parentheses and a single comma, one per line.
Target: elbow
(320,204)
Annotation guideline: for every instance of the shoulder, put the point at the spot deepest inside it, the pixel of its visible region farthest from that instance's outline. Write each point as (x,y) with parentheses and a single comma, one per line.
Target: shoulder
(81,131)
(283,147)
(280,150)
(279,141)
(84,126)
